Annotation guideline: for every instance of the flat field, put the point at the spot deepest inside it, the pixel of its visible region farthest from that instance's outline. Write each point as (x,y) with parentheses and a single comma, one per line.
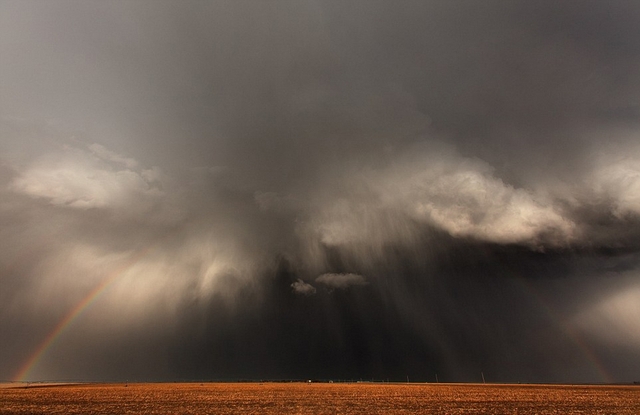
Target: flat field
(318,398)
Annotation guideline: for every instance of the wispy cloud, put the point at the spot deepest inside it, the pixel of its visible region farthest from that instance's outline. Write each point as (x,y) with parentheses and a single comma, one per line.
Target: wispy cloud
(341,281)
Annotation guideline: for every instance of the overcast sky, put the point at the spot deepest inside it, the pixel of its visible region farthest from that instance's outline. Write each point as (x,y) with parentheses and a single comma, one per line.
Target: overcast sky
(320,189)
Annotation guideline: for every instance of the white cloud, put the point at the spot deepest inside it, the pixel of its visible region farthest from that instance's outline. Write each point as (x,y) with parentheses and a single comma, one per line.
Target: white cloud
(464,198)
(303,288)
(341,281)
(78,179)
(458,195)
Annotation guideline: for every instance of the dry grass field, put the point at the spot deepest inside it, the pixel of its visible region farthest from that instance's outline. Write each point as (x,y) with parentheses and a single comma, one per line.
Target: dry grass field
(318,398)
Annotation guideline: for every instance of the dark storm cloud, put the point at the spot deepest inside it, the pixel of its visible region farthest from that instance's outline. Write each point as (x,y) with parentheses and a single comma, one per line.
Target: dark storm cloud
(476,161)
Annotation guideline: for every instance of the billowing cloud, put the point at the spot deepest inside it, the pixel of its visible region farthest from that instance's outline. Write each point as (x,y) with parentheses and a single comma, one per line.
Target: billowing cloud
(465,199)
(458,195)
(77,179)
(341,280)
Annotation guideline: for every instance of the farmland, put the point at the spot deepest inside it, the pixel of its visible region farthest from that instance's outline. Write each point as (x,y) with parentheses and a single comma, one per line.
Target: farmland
(318,398)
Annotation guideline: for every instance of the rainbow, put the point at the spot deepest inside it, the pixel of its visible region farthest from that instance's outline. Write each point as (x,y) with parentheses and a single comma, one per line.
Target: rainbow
(23,373)
(570,333)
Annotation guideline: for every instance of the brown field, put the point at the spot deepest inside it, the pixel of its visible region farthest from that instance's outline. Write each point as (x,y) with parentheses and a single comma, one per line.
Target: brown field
(318,398)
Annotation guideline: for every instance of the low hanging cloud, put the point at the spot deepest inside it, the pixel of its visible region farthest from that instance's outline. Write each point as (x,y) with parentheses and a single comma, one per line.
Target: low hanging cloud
(464,198)
(302,288)
(341,281)
(442,189)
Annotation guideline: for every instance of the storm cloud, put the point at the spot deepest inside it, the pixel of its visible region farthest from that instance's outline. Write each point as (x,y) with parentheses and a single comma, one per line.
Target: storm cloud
(320,189)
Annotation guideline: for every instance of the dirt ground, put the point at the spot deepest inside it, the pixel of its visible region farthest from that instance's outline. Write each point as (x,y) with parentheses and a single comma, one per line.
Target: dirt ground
(318,398)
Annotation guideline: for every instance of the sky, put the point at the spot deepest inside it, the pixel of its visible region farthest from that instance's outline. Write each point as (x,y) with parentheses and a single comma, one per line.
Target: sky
(376,190)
